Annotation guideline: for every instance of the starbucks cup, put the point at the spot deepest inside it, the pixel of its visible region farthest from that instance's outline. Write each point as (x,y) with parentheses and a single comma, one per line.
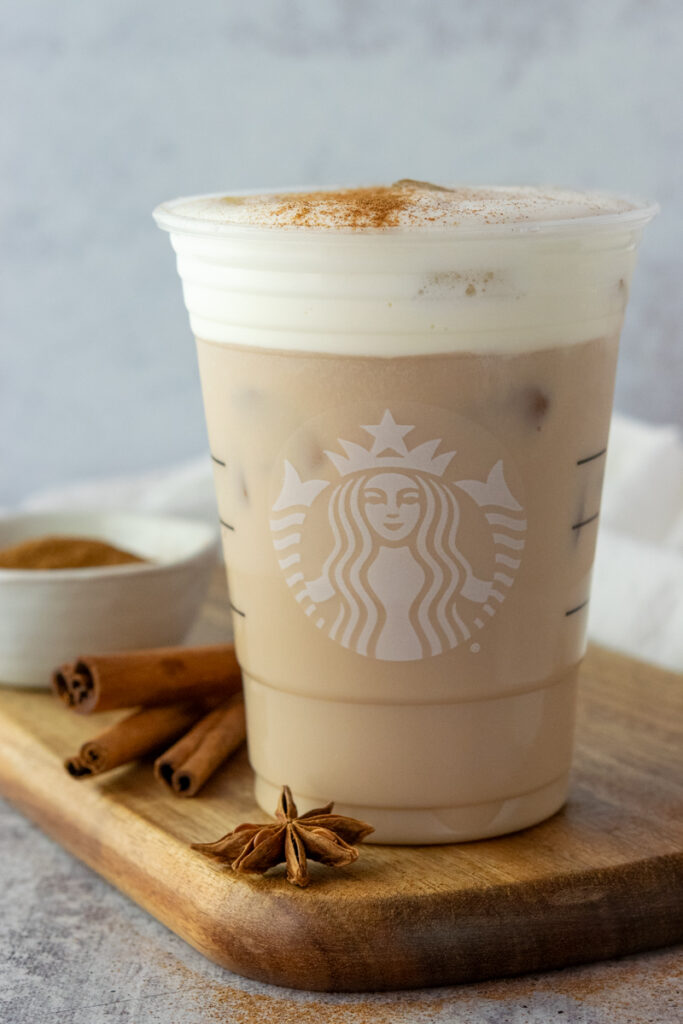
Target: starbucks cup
(408,415)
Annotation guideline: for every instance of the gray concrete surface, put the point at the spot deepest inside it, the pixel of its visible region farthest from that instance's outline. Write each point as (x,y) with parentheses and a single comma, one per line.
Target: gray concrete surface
(73,950)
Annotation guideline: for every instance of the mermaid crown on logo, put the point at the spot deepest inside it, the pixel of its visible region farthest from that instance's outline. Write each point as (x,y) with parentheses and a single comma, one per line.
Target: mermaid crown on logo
(389,436)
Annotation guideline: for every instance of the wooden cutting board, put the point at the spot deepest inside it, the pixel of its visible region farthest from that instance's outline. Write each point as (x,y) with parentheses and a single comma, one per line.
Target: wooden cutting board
(604,877)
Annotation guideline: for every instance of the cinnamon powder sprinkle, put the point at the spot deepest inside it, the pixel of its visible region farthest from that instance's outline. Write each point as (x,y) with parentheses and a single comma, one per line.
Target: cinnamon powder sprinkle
(378,206)
(404,204)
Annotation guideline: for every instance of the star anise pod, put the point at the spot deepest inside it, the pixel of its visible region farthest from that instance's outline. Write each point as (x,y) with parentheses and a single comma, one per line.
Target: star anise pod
(317,835)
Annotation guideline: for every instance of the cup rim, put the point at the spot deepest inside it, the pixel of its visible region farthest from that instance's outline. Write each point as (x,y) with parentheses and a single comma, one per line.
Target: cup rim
(640,213)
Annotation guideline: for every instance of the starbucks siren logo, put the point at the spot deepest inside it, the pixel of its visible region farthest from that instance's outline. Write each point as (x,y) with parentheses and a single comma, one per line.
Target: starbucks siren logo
(394,583)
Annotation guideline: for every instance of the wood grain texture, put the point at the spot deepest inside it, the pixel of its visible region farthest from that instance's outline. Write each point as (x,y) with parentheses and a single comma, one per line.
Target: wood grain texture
(602,878)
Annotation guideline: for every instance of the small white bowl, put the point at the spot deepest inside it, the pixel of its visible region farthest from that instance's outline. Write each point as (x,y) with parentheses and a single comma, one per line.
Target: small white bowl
(51,616)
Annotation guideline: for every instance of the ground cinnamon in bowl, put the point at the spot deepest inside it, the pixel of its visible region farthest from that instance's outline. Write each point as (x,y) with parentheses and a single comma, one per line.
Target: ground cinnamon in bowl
(57,552)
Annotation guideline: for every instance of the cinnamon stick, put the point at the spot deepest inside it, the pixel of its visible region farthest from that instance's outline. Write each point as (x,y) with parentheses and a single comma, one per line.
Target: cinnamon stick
(165,675)
(132,737)
(196,756)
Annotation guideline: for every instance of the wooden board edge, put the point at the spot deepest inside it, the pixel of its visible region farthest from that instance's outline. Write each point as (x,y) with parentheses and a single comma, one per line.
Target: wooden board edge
(275,936)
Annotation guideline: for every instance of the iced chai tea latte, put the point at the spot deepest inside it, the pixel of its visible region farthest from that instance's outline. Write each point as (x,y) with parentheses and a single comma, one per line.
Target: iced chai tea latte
(408,393)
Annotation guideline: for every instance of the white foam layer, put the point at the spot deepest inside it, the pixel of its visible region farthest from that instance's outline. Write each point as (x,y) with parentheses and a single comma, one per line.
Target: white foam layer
(414,205)
(405,291)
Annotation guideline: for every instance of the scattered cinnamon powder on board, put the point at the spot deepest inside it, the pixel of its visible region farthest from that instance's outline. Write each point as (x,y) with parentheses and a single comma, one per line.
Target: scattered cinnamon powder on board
(54,552)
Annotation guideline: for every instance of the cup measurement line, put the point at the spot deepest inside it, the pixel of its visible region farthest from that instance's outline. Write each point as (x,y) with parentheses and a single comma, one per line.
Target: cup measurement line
(585,522)
(226,525)
(218,461)
(578,608)
(589,458)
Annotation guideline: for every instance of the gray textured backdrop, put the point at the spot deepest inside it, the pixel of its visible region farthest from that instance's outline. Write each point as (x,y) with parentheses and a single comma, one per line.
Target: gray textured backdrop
(117,104)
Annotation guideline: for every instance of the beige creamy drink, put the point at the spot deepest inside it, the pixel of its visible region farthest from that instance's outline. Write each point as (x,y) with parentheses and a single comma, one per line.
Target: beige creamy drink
(408,393)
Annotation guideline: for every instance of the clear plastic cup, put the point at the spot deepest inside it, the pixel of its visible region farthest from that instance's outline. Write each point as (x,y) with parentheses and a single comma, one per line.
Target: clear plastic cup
(408,428)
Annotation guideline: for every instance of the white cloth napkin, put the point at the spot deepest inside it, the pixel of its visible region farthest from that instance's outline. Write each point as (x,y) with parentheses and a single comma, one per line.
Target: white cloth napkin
(637,599)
